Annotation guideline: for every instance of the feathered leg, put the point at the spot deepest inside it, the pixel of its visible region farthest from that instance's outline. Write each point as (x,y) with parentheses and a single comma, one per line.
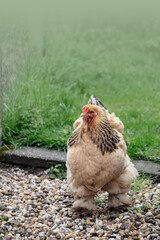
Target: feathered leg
(117,200)
(83,197)
(119,187)
(84,203)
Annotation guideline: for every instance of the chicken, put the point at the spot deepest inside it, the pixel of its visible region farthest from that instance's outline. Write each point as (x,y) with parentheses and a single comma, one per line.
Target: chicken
(97,158)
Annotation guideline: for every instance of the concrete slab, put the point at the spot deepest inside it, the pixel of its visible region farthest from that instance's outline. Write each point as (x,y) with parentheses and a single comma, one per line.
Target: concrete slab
(36,157)
(39,157)
(147,167)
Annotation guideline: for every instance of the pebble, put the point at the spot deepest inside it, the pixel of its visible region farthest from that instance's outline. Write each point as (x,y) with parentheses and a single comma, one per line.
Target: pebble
(92,230)
(149,214)
(34,206)
(41,234)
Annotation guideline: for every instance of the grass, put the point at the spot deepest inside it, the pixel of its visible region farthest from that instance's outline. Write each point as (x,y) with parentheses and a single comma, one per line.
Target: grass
(118,62)
(58,171)
(141,181)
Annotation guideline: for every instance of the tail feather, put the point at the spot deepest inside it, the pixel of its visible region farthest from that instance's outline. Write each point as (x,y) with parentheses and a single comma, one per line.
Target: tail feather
(95,101)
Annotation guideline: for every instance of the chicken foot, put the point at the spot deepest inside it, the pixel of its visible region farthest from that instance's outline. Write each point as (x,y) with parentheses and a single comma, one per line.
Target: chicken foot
(84,203)
(117,200)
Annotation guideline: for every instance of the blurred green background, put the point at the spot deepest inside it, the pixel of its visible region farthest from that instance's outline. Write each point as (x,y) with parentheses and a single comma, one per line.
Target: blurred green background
(56,54)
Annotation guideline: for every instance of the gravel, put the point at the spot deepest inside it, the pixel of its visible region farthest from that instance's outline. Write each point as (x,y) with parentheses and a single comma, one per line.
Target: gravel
(34,206)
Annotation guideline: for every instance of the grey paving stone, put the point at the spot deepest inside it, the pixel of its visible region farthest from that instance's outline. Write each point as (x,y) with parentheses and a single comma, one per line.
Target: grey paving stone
(36,157)
(147,167)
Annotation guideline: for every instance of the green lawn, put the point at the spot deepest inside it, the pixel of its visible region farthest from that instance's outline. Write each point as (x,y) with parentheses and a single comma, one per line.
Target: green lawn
(118,62)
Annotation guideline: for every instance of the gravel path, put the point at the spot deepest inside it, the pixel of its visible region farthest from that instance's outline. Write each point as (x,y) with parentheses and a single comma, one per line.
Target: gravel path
(34,206)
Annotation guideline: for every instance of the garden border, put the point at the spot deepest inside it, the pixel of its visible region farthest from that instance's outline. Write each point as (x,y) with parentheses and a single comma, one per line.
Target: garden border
(40,157)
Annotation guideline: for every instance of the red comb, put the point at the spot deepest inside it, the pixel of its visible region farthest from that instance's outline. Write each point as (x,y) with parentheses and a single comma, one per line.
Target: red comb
(85,109)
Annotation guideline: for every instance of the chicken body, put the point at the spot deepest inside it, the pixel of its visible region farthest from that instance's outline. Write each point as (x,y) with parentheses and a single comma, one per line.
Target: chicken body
(97,160)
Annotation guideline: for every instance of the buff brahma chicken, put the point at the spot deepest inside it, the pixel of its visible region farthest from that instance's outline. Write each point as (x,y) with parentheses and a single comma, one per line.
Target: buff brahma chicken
(97,158)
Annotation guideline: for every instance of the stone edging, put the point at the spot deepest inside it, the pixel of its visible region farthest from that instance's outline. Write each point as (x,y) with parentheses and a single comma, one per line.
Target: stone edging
(38,157)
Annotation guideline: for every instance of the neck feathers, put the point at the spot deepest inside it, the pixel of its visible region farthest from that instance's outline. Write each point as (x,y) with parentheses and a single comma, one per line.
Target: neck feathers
(100,132)
(103,135)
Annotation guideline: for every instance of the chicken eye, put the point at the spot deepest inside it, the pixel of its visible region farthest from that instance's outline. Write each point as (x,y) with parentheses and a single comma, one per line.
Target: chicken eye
(91,112)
